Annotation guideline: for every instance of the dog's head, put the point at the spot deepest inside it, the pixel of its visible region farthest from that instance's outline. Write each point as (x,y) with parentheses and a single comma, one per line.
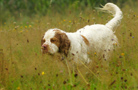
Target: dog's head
(55,40)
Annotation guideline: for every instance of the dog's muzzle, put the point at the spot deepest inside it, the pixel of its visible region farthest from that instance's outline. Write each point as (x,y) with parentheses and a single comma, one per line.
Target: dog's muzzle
(45,48)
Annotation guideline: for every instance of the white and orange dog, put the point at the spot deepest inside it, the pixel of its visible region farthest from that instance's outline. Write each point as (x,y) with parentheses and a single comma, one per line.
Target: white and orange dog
(97,38)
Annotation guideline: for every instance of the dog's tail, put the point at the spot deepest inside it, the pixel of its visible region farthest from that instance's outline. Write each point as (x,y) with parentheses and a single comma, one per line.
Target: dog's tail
(117,13)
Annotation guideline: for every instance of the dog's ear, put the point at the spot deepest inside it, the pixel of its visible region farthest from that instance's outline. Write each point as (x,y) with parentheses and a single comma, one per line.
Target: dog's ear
(64,43)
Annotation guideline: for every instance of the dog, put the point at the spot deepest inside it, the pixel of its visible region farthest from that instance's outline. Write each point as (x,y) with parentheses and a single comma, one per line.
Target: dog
(92,38)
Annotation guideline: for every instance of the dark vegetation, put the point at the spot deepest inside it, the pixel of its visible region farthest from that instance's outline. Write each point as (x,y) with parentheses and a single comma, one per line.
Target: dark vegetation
(14,9)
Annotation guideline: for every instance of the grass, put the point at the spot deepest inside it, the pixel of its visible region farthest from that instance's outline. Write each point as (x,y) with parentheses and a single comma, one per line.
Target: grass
(23,67)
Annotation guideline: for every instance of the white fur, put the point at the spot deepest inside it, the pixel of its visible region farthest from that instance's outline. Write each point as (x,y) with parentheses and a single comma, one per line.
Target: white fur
(48,35)
(117,13)
(101,37)
(78,48)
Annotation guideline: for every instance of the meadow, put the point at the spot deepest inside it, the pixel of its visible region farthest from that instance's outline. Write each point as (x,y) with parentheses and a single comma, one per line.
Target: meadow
(23,67)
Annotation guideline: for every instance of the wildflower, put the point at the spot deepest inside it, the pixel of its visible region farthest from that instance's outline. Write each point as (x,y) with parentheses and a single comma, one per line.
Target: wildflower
(64,82)
(16,27)
(48,84)
(27,41)
(133,37)
(21,76)
(43,73)
(74,85)
(69,21)
(88,20)
(56,75)
(130,34)
(25,26)
(97,66)
(64,20)
(5,23)
(125,80)
(30,26)
(61,71)
(6,68)
(122,54)
(21,31)
(14,22)
(122,78)
(75,75)
(131,74)
(35,68)
(95,53)
(18,88)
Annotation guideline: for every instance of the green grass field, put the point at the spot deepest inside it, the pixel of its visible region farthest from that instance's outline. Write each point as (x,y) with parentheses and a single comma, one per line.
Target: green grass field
(23,67)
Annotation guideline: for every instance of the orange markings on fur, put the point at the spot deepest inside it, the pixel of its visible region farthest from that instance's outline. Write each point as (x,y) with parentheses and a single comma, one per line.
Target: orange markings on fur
(61,40)
(85,40)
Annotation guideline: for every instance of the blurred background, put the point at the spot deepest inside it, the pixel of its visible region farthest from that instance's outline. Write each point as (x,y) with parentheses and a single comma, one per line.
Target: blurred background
(15,9)
(23,24)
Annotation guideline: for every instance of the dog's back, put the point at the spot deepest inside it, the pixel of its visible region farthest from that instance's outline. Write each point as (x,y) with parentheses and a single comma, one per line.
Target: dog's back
(101,37)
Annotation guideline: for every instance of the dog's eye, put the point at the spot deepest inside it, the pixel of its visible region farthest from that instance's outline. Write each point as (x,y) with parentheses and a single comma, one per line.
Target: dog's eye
(43,40)
(53,40)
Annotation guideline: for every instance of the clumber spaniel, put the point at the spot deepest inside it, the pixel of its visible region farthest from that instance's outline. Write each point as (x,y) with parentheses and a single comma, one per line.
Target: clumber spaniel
(92,38)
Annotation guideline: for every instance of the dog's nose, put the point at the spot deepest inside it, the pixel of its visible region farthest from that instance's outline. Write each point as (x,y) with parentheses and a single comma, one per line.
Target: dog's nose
(44,46)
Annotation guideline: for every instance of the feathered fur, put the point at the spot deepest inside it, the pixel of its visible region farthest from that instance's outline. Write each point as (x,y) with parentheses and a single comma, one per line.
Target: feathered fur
(117,13)
(92,38)
(101,37)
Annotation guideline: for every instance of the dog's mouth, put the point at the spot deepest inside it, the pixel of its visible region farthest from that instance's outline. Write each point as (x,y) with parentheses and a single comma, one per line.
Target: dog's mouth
(45,51)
